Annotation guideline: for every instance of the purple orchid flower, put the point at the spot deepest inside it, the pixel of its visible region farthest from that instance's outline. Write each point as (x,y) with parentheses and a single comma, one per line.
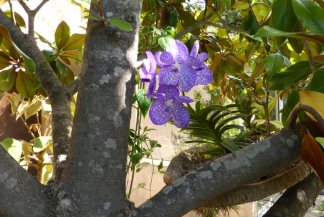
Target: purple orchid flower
(169,105)
(178,67)
(148,72)
(204,75)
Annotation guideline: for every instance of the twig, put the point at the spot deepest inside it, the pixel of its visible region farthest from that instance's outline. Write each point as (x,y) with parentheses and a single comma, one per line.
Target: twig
(308,51)
(226,27)
(31,15)
(228,36)
(11,12)
(306,108)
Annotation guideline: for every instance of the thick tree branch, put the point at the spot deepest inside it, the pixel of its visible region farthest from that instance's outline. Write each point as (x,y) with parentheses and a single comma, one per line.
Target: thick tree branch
(73,87)
(259,190)
(298,199)
(21,194)
(58,94)
(225,174)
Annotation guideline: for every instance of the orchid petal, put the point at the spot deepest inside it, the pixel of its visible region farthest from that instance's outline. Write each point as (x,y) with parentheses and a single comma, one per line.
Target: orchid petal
(187,78)
(158,96)
(168,76)
(170,91)
(193,61)
(151,87)
(180,115)
(147,65)
(163,60)
(183,99)
(203,56)
(195,48)
(151,58)
(179,51)
(204,76)
(158,113)
(144,77)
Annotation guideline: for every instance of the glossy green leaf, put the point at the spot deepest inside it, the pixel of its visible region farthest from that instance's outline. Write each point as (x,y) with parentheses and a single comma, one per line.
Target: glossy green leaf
(62,34)
(13,147)
(298,71)
(250,23)
(25,85)
(75,42)
(143,103)
(165,43)
(68,79)
(227,4)
(317,82)
(7,79)
(29,63)
(174,16)
(4,60)
(43,39)
(121,24)
(39,88)
(283,15)
(310,15)
(268,31)
(273,64)
(240,5)
(61,68)
(187,20)
(41,143)
(296,44)
(91,17)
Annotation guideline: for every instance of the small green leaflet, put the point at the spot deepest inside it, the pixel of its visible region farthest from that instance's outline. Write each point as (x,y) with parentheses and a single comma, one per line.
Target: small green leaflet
(121,24)
(91,17)
(13,147)
(165,43)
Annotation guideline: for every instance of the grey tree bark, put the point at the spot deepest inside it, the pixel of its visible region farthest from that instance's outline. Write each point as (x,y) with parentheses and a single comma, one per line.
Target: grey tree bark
(93,181)
(298,199)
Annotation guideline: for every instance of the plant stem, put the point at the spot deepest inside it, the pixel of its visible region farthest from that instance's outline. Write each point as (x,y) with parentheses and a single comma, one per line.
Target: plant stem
(151,176)
(267,113)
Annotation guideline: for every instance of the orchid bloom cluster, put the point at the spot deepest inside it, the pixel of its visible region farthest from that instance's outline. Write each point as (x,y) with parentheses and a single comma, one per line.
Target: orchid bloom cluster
(180,71)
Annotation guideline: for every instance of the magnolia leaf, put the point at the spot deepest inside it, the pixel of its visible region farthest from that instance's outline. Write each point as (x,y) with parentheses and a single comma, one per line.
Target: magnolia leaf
(283,15)
(310,15)
(7,79)
(13,147)
(29,63)
(187,20)
(41,143)
(240,5)
(320,140)
(68,79)
(259,69)
(174,16)
(273,64)
(313,99)
(33,108)
(268,31)
(313,155)
(75,42)
(121,24)
(61,68)
(25,85)
(62,34)
(298,71)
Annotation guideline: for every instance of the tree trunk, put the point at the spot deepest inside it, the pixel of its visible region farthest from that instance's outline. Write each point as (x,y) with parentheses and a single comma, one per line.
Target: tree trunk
(99,141)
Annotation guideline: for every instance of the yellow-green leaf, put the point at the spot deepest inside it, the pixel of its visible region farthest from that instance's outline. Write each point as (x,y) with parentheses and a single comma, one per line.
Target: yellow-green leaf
(25,85)
(62,34)
(313,99)
(7,79)
(75,42)
(240,5)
